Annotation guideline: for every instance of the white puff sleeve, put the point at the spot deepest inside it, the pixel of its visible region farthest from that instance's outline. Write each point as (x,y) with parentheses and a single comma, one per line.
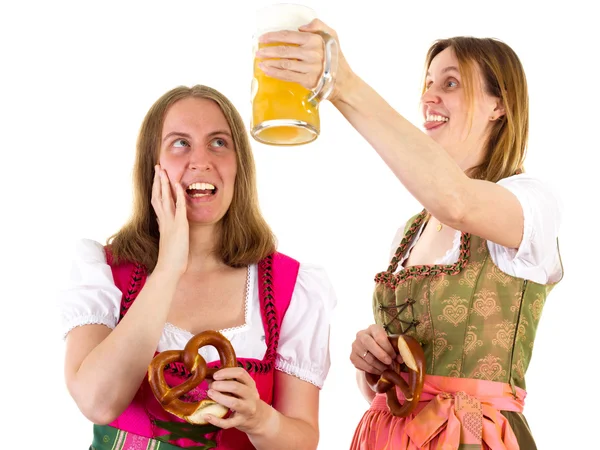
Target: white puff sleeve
(537,258)
(304,337)
(90,296)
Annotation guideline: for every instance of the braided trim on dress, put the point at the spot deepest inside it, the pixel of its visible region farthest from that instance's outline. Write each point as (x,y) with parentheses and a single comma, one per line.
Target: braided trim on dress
(391,280)
(132,292)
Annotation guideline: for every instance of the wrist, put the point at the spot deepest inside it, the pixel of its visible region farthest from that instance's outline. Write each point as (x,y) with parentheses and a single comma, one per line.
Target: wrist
(267,424)
(345,87)
(166,275)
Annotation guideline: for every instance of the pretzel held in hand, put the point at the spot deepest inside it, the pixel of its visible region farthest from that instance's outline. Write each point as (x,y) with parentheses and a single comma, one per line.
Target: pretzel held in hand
(411,352)
(168,397)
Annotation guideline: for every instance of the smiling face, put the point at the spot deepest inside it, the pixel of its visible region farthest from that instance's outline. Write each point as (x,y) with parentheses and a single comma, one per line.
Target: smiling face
(197,151)
(460,126)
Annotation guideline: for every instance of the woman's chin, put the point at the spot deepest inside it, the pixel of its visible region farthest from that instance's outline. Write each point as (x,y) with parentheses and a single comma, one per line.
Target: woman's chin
(203,220)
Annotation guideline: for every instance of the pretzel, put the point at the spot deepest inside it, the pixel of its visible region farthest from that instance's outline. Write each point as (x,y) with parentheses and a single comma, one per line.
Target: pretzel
(414,359)
(168,397)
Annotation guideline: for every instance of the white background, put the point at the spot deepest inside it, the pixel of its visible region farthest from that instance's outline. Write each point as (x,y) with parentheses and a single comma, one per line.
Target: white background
(77,78)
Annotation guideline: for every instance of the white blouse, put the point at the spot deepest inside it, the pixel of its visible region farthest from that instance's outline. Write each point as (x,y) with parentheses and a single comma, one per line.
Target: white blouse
(537,258)
(91,297)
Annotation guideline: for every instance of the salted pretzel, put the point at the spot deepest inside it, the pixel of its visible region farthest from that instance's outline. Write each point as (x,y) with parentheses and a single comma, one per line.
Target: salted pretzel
(414,359)
(168,397)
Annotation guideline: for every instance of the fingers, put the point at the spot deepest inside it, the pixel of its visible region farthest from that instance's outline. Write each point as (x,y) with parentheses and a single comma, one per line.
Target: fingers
(300,67)
(300,60)
(379,335)
(375,347)
(268,68)
(162,198)
(156,184)
(364,360)
(305,45)
(156,199)
(236,390)
(234,373)
(363,364)
(299,64)
(239,391)
(318,25)
(180,203)
(289,37)
(233,421)
(233,380)
(372,351)
(309,54)
(165,192)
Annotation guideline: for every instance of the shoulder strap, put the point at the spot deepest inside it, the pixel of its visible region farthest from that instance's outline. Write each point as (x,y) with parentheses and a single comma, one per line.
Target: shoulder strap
(280,276)
(411,221)
(277,275)
(129,279)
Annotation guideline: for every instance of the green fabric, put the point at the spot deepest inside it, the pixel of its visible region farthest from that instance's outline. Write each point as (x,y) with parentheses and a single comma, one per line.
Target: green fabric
(519,425)
(472,320)
(110,438)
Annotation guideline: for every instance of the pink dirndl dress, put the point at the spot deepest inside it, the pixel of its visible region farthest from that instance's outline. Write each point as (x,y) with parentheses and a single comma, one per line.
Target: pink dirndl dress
(144,418)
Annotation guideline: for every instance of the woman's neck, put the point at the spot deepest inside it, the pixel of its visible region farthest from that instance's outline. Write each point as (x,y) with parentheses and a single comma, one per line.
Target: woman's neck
(203,255)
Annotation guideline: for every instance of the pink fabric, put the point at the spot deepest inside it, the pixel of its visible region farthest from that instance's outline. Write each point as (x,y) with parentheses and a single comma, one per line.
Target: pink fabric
(451,412)
(274,293)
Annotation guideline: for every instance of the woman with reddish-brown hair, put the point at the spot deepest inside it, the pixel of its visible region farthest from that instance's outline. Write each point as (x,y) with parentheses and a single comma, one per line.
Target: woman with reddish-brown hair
(469,274)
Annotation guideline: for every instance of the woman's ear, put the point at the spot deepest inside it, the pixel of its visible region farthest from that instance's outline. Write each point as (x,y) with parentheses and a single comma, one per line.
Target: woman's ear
(498,111)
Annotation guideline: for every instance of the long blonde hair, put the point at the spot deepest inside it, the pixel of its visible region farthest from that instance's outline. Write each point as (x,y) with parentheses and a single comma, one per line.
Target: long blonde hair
(504,78)
(245,237)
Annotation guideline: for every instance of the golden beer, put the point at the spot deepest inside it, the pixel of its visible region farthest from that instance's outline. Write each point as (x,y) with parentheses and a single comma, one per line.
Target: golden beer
(281,111)
(285,112)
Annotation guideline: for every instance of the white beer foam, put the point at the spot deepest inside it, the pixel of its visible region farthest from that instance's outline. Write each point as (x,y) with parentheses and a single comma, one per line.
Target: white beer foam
(283,16)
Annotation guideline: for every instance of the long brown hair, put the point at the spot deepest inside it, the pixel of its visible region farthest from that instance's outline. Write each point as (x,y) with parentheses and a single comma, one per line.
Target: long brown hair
(504,78)
(245,237)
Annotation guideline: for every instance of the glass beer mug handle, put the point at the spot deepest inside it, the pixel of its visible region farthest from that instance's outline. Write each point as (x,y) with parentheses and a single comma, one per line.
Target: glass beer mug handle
(325,84)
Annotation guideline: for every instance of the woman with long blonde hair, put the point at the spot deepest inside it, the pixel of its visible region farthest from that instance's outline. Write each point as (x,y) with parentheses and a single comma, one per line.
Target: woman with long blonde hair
(469,274)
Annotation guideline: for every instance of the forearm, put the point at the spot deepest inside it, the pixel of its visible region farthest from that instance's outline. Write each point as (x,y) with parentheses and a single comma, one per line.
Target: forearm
(283,433)
(421,165)
(111,374)
(364,388)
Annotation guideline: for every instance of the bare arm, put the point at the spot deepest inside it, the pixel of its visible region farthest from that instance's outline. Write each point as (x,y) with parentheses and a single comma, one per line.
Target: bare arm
(363,387)
(372,353)
(428,172)
(104,368)
(422,166)
(293,421)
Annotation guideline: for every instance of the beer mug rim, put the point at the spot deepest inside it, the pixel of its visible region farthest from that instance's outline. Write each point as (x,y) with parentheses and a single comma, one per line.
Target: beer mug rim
(282,16)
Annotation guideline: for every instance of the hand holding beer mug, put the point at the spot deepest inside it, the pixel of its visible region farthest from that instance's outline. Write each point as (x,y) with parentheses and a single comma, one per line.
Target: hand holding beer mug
(286,111)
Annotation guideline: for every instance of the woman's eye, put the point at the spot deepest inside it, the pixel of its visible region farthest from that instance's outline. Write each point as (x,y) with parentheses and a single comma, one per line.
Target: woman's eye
(180,143)
(218,142)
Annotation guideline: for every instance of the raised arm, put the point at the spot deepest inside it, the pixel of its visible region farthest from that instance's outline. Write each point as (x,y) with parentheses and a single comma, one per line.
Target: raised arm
(426,169)
(104,368)
(428,172)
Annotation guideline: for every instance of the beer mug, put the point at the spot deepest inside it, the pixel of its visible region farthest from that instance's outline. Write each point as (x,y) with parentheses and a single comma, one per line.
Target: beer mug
(285,112)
